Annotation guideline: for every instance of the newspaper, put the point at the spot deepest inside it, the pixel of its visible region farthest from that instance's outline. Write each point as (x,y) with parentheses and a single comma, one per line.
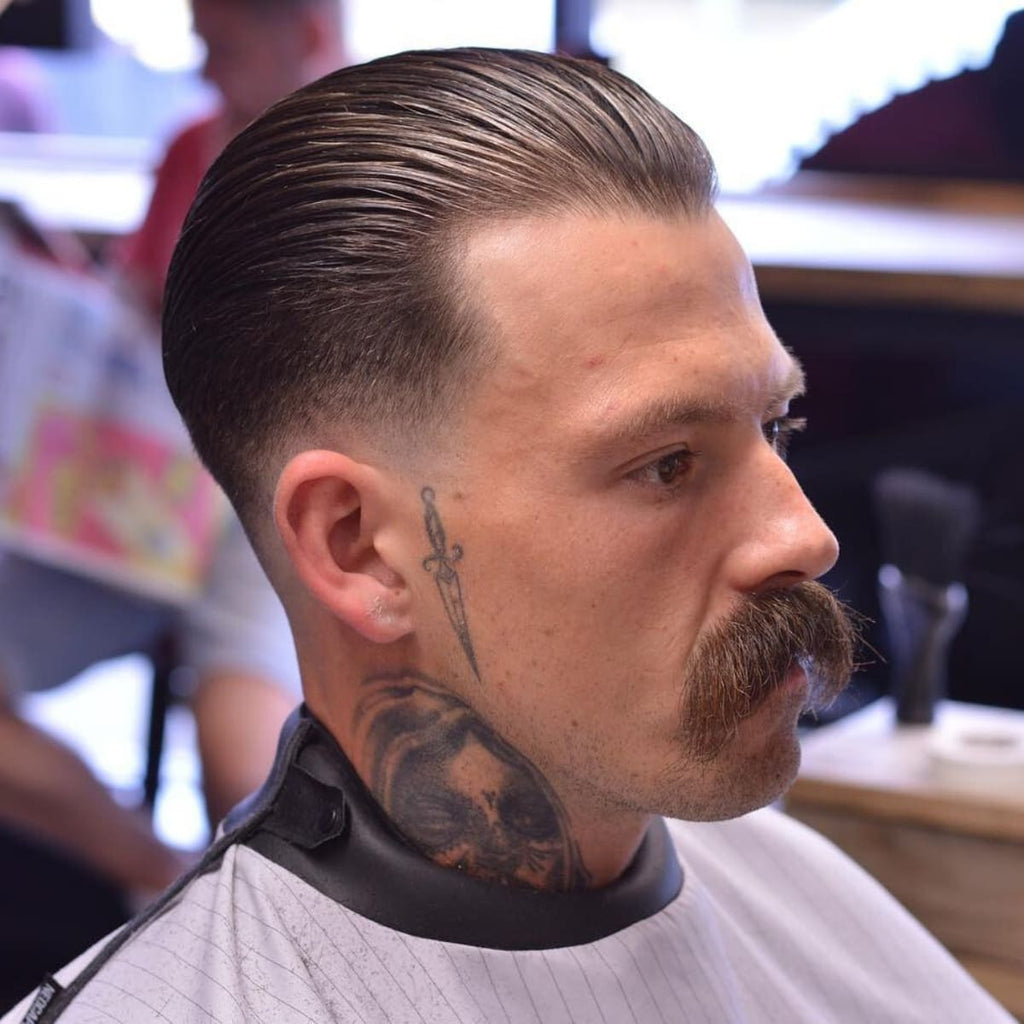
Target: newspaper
(97,474)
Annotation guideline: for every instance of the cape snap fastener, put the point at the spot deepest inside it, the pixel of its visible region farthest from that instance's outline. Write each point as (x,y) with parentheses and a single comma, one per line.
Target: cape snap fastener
(331,821)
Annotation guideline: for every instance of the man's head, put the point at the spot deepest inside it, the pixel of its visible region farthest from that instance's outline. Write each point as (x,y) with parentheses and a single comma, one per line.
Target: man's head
(465,326)
(260,50)
(324,247)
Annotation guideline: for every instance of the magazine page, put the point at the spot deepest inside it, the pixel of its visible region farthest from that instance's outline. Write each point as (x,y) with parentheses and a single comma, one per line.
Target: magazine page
(97,473)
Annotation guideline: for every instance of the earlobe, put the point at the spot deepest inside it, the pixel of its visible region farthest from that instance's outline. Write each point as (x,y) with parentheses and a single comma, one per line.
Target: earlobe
(320,514)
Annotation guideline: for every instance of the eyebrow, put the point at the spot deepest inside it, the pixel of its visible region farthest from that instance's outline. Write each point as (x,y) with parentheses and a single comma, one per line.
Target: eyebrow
(664,414)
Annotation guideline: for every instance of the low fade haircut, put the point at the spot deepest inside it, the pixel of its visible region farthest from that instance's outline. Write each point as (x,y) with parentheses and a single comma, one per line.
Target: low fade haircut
(316,288)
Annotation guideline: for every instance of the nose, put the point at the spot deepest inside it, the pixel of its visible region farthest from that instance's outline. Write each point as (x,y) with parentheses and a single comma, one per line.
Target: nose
(784,540)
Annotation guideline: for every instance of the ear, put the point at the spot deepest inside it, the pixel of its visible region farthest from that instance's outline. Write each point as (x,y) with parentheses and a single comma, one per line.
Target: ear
(320,511)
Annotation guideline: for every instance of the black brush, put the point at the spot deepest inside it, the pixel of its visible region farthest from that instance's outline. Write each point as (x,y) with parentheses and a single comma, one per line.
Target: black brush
(928,526)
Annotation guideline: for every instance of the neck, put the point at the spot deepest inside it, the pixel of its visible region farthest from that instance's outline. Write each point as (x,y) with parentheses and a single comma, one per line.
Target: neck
(464,796)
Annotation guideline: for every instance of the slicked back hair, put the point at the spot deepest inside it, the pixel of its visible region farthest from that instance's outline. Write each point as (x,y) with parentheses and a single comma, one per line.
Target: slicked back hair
(315,288)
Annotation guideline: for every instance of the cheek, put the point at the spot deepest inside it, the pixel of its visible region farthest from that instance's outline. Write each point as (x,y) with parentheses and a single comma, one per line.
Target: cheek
(588,589)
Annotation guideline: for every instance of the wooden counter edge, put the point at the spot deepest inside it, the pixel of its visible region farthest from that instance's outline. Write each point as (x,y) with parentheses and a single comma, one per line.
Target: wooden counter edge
(988,820)
(835,285)
(1004,983)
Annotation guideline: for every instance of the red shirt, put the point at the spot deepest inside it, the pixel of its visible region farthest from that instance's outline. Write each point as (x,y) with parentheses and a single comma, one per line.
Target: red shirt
(146,255)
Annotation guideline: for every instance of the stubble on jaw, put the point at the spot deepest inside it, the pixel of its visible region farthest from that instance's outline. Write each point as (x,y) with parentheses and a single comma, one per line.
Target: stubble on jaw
(468,799)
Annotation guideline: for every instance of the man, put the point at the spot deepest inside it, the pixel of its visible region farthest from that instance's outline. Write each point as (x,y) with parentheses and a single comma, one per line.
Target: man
(54,624)
(487,380)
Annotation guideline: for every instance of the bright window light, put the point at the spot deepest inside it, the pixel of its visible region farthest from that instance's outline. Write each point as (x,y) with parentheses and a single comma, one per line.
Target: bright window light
(377,28)
(157,32)
(765,83)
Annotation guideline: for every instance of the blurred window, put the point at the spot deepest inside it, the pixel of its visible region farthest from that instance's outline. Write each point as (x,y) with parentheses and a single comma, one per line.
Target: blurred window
(764,81)
(157,32)
(767,81)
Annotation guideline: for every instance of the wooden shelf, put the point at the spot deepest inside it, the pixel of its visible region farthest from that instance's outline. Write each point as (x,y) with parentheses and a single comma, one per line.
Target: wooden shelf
(824,238)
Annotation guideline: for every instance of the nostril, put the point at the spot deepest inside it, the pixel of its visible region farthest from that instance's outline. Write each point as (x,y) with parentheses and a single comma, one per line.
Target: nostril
(781,580)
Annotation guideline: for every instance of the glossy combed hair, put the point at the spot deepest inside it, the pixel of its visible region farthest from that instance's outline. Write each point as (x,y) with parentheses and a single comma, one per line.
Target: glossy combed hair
(316,286)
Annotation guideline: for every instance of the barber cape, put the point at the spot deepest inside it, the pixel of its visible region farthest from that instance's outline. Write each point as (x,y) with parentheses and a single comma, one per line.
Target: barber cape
(310,908)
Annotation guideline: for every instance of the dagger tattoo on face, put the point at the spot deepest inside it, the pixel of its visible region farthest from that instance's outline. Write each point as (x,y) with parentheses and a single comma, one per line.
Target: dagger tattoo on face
(441,565)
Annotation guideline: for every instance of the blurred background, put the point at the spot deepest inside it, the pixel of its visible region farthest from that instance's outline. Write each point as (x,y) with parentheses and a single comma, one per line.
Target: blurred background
(871,160)
(869,154)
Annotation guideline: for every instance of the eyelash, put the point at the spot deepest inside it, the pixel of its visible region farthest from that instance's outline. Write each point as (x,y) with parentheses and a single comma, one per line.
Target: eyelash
(777,432)
(651,472)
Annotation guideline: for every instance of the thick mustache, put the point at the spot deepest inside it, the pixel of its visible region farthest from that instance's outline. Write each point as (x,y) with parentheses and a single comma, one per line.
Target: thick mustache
(738,665)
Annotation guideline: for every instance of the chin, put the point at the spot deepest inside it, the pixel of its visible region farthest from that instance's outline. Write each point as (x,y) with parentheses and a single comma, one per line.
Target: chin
(755,768)
(769,749)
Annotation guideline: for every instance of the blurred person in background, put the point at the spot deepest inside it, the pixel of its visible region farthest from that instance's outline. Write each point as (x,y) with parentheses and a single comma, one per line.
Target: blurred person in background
(54,624)
(256,52)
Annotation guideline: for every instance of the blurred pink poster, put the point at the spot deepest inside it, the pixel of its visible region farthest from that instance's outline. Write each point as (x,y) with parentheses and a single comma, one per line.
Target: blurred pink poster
(97,474)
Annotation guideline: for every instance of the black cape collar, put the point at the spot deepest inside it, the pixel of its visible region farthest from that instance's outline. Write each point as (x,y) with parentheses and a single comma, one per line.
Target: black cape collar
(321,824)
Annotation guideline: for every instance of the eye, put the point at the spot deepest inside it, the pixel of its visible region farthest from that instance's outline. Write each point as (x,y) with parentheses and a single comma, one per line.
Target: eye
(667,470)
(779,432)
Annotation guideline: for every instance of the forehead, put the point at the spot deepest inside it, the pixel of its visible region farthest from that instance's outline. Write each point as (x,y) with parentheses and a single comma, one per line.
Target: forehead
(590,314)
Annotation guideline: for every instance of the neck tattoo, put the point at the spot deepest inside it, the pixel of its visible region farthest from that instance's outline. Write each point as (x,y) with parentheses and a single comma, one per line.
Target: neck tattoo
(457,791)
